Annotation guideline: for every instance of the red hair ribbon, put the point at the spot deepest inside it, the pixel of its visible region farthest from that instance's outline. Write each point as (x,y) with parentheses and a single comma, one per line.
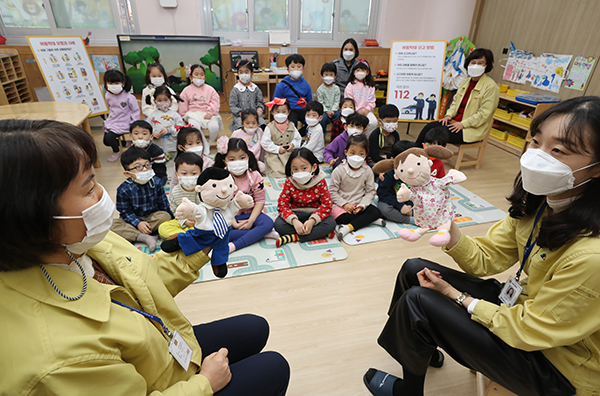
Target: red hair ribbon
(363,61)
(275,101)
(178,127)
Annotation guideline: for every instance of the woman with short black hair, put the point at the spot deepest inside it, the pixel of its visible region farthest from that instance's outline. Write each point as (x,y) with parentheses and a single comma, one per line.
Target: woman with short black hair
(344,64)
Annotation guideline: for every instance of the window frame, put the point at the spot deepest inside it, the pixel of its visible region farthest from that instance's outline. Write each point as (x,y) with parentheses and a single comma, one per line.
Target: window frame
(18,35)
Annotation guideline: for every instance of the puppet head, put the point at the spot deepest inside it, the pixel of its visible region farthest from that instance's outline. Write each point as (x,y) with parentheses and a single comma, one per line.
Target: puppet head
(216,187)
(413,166)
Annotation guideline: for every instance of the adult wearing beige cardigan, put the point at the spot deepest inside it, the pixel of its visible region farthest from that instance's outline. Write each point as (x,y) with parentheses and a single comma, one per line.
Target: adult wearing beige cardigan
(470,115)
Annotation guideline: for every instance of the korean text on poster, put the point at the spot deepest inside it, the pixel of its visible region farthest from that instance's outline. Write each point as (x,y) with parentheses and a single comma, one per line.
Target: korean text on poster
(68,72)
(415,78)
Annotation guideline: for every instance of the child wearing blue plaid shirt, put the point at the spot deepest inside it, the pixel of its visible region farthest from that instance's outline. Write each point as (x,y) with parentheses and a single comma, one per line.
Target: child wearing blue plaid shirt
(141,200)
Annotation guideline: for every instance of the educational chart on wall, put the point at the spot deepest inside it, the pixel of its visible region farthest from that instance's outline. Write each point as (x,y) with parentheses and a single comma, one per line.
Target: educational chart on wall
(546,72)
(518,66)
(415,78)
(68,72)
(580,72)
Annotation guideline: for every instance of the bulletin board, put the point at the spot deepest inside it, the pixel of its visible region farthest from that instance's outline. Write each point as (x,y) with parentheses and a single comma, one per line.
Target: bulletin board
(415,78)
(68,72)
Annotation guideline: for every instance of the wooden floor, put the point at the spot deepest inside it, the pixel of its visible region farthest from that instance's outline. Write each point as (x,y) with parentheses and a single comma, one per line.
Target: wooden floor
(325,319)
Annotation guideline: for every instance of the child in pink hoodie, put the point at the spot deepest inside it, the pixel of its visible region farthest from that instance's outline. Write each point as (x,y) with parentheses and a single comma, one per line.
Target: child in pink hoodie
(361,88)
(201,105)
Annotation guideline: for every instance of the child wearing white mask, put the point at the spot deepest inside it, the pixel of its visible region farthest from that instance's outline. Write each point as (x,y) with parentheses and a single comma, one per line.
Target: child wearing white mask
(383,138)
(335,151)
(279,138)
(251,133)
(141,136)
(188,167)
(304,204)
(201,104)
(328,94)
(189,140)
(352,189)
(141,200)
(249,225)
(347,108)
(123,109)
(165,120)
(245,95)
(156,76)
(361,88)
(295,89)
(314,138)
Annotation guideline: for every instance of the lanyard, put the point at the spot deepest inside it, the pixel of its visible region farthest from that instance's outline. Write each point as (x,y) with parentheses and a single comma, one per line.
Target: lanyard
(529,246)
(149,316)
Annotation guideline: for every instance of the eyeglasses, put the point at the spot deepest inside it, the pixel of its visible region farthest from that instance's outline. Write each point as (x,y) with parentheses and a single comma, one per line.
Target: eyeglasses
(140,167)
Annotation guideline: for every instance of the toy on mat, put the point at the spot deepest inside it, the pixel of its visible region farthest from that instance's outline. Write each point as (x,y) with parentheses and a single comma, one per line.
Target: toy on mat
(431,196)
(213,217)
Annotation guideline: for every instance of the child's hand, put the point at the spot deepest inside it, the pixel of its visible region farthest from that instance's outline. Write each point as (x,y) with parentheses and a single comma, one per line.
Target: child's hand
(190,223)
(333,161)
(308,226)
(144,227)
(330,114)
(235,224)
(363,112)
(207,116)
(259,111)
(246,224)
(290,147)
(382,177)
(156,135)
(282,150)
(358,209)
(163,132)
(348,207)
(406,210)
(298,226)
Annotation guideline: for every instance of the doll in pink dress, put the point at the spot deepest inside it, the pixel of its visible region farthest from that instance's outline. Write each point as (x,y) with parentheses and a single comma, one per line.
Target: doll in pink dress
(431,197)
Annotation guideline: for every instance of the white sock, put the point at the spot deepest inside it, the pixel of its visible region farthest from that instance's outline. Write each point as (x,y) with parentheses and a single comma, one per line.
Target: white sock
(272,235)
(343,231)
(148,240)
(231,247)
(379,222)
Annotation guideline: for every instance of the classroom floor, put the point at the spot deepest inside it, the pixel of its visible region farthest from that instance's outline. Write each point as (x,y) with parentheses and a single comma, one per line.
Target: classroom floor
(325,319)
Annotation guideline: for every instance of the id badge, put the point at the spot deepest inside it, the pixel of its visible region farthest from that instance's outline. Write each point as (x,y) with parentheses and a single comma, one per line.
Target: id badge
(180,350)
(510,292)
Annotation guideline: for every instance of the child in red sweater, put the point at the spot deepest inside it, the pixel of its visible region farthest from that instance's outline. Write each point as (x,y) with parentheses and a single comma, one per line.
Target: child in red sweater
(437,136)
(304,205)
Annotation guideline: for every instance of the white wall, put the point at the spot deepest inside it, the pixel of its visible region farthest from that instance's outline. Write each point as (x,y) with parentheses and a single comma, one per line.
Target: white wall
(424,20)
(156,20)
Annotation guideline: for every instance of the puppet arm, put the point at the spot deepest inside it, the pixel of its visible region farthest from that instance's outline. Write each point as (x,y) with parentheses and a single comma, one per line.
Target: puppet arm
(403,194)
(243,200)
(458,176)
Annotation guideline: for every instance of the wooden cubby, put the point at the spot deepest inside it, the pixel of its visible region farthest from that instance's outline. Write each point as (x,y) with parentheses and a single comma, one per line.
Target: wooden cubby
(13,80)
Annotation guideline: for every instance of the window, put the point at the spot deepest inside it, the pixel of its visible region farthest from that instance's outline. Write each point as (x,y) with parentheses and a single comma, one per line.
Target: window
(103,18)
(311,22)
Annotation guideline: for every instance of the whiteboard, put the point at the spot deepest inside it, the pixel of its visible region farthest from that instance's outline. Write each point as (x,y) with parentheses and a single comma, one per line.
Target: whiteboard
(415,78)
(68,72)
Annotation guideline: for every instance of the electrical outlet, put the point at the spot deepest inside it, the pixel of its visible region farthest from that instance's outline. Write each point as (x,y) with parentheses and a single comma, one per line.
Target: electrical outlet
(504,51)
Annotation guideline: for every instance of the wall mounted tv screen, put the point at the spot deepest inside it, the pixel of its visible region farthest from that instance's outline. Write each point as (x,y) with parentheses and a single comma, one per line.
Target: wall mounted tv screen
(175,53)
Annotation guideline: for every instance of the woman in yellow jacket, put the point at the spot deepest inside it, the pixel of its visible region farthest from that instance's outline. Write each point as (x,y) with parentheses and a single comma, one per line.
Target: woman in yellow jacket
(86,313)
(535,336)
(471,113)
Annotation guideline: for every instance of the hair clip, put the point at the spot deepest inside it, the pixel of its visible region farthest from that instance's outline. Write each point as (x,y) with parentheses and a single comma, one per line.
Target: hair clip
(275,101)
(178,127)
(222,144)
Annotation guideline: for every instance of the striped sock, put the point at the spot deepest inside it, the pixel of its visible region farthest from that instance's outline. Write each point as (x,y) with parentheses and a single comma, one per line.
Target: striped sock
(351,227)
(331,234)
(286,239)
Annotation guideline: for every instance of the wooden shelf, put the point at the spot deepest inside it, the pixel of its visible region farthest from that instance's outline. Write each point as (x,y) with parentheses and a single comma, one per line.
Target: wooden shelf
(511,123)
(502,144)
(14,87)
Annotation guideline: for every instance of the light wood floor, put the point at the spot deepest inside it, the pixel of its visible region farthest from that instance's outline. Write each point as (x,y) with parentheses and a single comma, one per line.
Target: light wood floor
(325,319)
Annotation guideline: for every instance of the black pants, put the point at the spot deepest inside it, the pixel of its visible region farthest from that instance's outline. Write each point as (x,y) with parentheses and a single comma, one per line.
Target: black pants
(421,319)
(111,140)
(454,138)
(360,220)
(321,230)
(298,115)
(419,115)
(431,114)
(253,373)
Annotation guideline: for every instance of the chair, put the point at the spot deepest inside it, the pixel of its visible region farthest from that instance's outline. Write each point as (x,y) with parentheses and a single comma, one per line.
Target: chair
(486,387)
(471,160)
(124,138)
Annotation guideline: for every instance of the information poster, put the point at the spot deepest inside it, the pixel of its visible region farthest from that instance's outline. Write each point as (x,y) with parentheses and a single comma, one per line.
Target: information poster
(415,78)
(68,72)
(580,73)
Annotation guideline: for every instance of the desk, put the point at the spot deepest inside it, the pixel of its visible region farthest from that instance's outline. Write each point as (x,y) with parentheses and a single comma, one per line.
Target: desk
(72,113)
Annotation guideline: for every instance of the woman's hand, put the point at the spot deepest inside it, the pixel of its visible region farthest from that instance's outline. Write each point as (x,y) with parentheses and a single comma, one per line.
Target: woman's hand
(456,127)
(433,280)
(444,121)
(215,368)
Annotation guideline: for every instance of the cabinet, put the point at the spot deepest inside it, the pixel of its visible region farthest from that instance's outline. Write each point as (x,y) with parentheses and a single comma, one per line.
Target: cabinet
(518,129)
(381,86)
(15,88)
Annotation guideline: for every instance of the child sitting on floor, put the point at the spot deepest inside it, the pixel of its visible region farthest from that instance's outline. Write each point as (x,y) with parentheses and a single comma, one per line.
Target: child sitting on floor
(383,138)
(304,204)
(279,138)
(352,189)
(314,140)
(390,208)
(356,124)
(141,136)
(189,140)
(250,225)
(251,133)
(437,136)
(188,167)
(141,200)
(346,110)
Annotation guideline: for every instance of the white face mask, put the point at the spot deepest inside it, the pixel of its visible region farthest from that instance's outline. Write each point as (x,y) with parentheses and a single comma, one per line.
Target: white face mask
(360,75)
(390,126)
(559,205)
(356,161)
(280,117)
(144,177)
(237,168)
(141,143)
(114,89)
(353,131)
(328,80)
(311,121)
(245,78)
(250,130)
(347,112)
(197,149)
(475,70)
(302,177)
(188,182)
(542,174)
(296,74)
(98,219)
(198,82)
(157,81)
(163,106)
(348,55)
